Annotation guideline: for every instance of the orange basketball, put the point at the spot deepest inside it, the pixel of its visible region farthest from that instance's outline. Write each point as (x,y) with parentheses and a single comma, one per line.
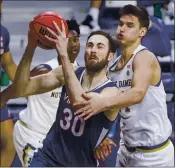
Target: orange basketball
(41,22)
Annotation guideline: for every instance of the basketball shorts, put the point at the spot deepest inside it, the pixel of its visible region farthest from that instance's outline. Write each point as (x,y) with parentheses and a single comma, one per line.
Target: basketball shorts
(40,159)
(26,142)
(162,156)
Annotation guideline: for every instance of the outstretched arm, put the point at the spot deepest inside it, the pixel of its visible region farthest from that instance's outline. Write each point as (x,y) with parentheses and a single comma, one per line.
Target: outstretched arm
(23,85)
(142,66)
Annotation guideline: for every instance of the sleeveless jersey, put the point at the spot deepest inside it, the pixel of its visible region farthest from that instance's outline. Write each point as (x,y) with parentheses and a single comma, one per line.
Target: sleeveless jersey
(41,109)
(4,47)
(146,123)
(71,141)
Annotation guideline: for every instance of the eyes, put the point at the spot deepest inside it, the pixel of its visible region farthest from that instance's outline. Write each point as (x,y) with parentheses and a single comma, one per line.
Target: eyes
(74,39)
(130,25)
(99,46)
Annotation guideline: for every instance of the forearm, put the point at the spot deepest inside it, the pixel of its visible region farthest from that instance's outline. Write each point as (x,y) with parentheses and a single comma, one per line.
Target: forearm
(22,76)
(124,99)
(73,85)
(8,153)
(11,71)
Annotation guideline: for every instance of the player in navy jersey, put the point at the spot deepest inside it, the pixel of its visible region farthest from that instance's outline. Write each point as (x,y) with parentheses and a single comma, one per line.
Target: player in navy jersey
(75,138)
(7,151)
(71,141)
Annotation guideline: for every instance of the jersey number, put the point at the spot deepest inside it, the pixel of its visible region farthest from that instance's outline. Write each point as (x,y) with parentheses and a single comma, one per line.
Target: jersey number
(66,123)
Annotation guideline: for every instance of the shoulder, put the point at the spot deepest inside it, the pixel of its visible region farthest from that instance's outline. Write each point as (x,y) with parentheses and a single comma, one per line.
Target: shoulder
(144,56)
(51,64)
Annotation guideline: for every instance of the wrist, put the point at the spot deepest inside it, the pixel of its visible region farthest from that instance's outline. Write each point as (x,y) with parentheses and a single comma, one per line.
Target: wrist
(31,46)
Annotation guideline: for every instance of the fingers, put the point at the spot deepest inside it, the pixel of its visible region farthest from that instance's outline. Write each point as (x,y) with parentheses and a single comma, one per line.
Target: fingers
(112,142)
(81,110)
(57,28)
(89,116)
(49,38)
(80,104)
(63,28)
(108,148)
(52,33)
(99,154)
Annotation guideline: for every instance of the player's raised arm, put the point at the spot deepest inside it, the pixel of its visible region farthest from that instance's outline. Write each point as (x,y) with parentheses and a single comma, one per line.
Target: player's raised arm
(73,85)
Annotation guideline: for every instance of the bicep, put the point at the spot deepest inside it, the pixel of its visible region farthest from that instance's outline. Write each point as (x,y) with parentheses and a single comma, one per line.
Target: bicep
(142,72)
(45,82)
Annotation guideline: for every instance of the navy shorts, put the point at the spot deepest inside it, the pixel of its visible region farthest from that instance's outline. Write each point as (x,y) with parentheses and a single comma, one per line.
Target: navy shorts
(40,159)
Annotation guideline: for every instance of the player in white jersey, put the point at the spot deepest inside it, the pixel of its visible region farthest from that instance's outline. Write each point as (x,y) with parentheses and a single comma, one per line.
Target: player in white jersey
(145,127)
(36,120)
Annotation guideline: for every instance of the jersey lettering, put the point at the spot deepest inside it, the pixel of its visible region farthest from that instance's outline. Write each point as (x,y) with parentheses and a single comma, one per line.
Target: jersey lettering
(66,123)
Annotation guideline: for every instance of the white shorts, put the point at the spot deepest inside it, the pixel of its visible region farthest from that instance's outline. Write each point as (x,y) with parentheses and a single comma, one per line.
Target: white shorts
(26,142)
(162,157)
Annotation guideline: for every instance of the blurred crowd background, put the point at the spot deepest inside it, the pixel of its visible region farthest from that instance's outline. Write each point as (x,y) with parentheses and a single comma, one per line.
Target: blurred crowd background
(160,39)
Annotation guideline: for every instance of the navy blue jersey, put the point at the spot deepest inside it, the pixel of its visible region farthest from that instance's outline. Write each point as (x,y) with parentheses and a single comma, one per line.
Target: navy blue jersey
(4,42)
(71,141)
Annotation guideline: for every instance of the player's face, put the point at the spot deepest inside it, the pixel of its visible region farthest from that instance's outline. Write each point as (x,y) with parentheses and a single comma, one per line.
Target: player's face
(129,30)
(73,44)
(96,53)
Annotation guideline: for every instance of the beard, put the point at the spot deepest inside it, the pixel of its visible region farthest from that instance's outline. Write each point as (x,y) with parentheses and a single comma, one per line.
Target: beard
(95,66)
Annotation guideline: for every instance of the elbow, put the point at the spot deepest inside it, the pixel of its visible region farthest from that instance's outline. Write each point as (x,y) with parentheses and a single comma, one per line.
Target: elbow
(139,96)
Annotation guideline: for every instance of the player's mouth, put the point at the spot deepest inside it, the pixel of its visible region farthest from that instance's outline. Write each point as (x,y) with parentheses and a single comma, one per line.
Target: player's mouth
(120,36)
(75,51)
(92,57)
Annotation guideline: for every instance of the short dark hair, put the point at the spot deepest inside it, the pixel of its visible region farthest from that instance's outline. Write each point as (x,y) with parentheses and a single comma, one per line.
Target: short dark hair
(112,42)
(140,13)
(73,25)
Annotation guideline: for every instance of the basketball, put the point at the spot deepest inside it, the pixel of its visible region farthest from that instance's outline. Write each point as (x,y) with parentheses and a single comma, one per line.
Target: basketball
(41,22)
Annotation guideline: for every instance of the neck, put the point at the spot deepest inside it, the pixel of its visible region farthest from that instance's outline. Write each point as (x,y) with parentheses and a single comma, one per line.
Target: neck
(127,51)
(92,80)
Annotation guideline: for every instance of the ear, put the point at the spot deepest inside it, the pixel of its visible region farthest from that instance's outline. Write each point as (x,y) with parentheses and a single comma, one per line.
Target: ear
(111,56)
(143,31)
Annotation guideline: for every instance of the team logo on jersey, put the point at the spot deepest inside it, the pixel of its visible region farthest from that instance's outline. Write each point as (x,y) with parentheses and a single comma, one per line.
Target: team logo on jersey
(127,73)
(128,68)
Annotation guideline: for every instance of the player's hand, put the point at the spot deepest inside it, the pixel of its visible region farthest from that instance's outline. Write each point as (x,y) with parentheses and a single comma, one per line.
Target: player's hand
(59,39)
(32,39)
(91,105)
(104,149)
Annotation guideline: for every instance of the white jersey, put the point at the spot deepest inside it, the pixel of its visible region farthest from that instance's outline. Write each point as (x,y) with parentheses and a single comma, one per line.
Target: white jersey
(146,123)
(41,109)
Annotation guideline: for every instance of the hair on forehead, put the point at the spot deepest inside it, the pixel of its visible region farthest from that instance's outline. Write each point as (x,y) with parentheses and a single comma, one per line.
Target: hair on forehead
(73,25)
(112,42)
(140,13)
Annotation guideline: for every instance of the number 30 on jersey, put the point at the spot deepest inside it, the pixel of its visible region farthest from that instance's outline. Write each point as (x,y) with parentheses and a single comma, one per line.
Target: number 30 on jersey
(66,123)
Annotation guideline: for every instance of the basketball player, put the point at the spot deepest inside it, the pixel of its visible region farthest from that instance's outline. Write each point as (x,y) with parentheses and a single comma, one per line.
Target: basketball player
(7,150)
(35,121)
(71,141)
(145,127)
